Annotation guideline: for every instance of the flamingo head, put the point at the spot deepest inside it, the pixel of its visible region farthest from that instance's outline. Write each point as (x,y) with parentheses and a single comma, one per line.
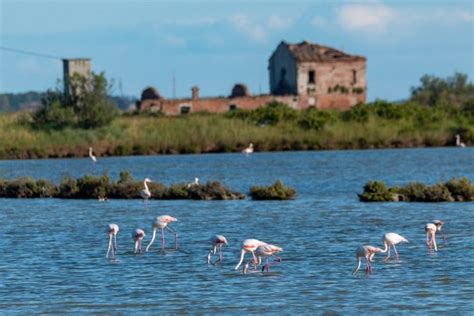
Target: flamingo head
(438,224)
(147,180)
(251,145)
(196,180)
(112,229)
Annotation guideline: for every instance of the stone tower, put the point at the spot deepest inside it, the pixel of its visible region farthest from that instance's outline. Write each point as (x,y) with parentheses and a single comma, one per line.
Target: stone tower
(81,66)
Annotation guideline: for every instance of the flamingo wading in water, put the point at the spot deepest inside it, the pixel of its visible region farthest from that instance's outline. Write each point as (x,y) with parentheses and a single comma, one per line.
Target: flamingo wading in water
(113,230)
(249,245)
(367,252)
(145,193)
(138,236)
(91,156)
(162,222)
(217,242)
(247,151)
(267,251)
(391,239)
(431,229)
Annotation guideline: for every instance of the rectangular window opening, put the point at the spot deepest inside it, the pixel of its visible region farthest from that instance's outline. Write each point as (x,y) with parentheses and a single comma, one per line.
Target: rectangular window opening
(185,109)
(354,76)
(232,107)
(311,76)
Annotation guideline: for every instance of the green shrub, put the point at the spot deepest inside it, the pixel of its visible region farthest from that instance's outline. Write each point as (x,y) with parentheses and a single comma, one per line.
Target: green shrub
(276,191)
(414,192)
(461,189)
(376,191)
(68,188)
(312,118)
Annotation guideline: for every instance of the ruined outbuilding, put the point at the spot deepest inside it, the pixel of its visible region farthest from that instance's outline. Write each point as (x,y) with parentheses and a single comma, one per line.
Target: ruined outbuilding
(301,75)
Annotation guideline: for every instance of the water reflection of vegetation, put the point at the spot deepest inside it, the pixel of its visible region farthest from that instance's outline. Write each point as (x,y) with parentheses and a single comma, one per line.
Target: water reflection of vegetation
(455,190)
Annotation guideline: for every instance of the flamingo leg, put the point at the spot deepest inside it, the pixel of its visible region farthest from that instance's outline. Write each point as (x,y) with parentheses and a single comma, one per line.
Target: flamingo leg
(110,246)
(396,253)
(115,242)
(136,246)
(367,266)
(209,257)
(175,237)
(162,240)
(433,238)
(388,253)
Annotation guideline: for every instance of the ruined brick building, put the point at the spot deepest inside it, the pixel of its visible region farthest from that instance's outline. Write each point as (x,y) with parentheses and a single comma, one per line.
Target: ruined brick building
(301,75)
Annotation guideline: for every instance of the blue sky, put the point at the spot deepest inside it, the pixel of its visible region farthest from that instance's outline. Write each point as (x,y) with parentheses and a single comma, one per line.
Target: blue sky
(214,44)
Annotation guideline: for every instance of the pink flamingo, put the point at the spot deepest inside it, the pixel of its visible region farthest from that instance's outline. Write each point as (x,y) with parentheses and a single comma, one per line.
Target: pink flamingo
(367,252)
(267,251)
(217,242)
(391,239)
(112,230)
(249,245)
(162,222)
(138,236)
(431,229)
(247,151)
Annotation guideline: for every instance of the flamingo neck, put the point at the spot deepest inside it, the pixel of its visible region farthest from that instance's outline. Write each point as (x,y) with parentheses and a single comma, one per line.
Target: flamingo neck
(152,239)
(242,254)
(386,247)
(146,186)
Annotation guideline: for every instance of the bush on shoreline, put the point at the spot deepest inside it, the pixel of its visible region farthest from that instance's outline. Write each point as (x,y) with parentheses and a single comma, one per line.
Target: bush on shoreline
(276,191)
(95,187)
(455,190)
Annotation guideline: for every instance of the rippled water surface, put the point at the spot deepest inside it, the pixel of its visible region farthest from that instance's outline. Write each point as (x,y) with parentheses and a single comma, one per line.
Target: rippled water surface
(53,251)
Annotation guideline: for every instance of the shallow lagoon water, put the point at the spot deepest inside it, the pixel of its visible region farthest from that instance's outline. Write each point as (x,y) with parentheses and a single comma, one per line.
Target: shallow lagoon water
(53,251)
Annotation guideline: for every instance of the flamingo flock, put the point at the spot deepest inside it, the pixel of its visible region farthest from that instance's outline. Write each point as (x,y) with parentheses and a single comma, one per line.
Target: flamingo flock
(391,239)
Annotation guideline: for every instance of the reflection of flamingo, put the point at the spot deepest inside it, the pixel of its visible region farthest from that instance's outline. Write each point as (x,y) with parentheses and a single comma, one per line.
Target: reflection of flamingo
(113,231)
(431,229)
(162,222)
(391,239)
(367,252)
(145,193)
(91,156)
(196,182)
(249,245)
(267,251)
(247,151)
(138,236)
(217,242)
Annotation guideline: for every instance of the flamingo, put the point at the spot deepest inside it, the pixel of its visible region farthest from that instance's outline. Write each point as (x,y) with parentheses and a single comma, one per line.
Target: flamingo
(458,141)
(91,156)
(247,151)
(138,236)
(267,251)
(113,230)
(249,245)
(162,222)
(196,182)
(431,229)
(367,252)
(145,193)
(217,242)
(391,239)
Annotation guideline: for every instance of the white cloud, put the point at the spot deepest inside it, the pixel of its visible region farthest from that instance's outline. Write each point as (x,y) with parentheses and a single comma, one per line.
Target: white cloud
(243,23)
(373,17)
(276,22)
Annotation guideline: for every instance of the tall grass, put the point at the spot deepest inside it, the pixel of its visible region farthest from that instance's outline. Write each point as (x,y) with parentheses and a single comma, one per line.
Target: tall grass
(379,126)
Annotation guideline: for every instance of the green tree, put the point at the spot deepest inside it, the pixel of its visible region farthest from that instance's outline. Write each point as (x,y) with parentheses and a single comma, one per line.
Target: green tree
(86,105)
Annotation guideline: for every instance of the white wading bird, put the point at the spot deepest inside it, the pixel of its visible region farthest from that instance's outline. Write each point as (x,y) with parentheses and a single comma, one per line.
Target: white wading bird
(367,252)
(91,156)
(145,193)
(391,239)
(249,245)
(247,151)
(430,230)
(162,222)
(112,230)
(217,242)
(138,236)
(267,251)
